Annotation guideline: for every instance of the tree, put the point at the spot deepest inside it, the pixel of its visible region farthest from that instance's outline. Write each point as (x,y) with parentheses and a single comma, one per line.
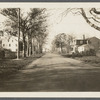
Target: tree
(91,15)
(39,28)
(94,17)
(69,42)
(60,41)
(33,25)
(18,22)
(63,41)
(14,15)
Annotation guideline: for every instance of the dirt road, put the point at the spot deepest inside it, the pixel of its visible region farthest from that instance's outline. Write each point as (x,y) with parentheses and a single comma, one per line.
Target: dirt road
(53,72)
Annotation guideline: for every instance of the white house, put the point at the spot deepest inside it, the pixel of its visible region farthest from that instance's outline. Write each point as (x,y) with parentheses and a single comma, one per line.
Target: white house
(78,45)
(82,45)
(85,47)
(8,42)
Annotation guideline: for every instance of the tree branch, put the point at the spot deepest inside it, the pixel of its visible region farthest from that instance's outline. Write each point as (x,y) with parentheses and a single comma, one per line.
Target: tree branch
(95,11)
(93,19)
(91,24)
(92,13)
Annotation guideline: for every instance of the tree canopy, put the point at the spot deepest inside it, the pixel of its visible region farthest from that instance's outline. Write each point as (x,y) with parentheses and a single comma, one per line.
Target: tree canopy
(33,25)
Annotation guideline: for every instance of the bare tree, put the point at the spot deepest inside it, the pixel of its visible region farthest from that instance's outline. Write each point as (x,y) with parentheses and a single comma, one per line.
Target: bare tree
(33,25)
(14,15)
(94,17)
(63,40)
(60,41)
(39,27)
(91,15)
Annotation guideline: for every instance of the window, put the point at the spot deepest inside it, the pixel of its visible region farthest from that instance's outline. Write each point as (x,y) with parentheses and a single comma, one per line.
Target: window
(16,49)
(8,40)
(12,40)
(3,45)
(9,45)
(81,42)
(16,45)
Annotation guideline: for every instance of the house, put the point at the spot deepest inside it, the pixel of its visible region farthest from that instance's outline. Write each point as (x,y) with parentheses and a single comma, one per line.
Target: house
(9,45)
(83,45)
(94,41)
(80,41)
(79,45)
(8,42)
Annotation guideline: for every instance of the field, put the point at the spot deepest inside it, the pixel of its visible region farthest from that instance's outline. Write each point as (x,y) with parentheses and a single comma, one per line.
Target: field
(10,66)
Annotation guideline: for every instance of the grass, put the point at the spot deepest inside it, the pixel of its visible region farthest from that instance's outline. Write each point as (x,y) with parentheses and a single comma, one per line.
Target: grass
(11,66)
(93,60)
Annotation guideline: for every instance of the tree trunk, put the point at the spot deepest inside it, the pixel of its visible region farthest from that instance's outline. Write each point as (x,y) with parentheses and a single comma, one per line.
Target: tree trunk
(31,43)
(61,48)
(24,54)
(32,46)
(30,53)
(18,50)
(40,48)
(28,46)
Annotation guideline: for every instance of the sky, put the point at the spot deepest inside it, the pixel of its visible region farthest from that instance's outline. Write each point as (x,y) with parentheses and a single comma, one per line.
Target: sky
(69,24)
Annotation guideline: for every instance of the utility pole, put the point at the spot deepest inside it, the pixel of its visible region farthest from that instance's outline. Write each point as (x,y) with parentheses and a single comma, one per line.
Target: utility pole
(18,50)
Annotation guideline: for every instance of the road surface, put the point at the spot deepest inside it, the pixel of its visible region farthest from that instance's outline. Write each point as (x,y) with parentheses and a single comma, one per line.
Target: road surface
(54,73)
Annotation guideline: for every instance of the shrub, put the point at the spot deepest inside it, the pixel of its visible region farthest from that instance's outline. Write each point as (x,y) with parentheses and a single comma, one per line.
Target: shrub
(2,54)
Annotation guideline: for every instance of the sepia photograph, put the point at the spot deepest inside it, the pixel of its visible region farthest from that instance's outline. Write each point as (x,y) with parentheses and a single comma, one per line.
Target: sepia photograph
(49,47)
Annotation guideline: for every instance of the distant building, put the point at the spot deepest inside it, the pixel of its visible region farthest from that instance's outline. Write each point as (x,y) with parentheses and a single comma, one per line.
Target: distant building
(95,42)
(80,42)
(85,47)
(8,42)
(79,45)
(82,45)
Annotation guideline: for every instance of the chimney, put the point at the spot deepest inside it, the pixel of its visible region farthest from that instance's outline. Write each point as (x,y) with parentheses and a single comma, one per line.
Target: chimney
(83,37)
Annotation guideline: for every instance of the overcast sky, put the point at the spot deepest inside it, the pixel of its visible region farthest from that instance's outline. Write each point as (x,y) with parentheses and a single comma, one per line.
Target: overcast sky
(70,24)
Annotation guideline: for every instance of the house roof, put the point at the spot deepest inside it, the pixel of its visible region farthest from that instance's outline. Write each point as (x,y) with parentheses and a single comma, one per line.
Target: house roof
(93,38)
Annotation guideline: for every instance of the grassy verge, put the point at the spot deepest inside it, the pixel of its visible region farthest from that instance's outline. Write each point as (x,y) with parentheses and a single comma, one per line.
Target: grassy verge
(10,66)
(93,60)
